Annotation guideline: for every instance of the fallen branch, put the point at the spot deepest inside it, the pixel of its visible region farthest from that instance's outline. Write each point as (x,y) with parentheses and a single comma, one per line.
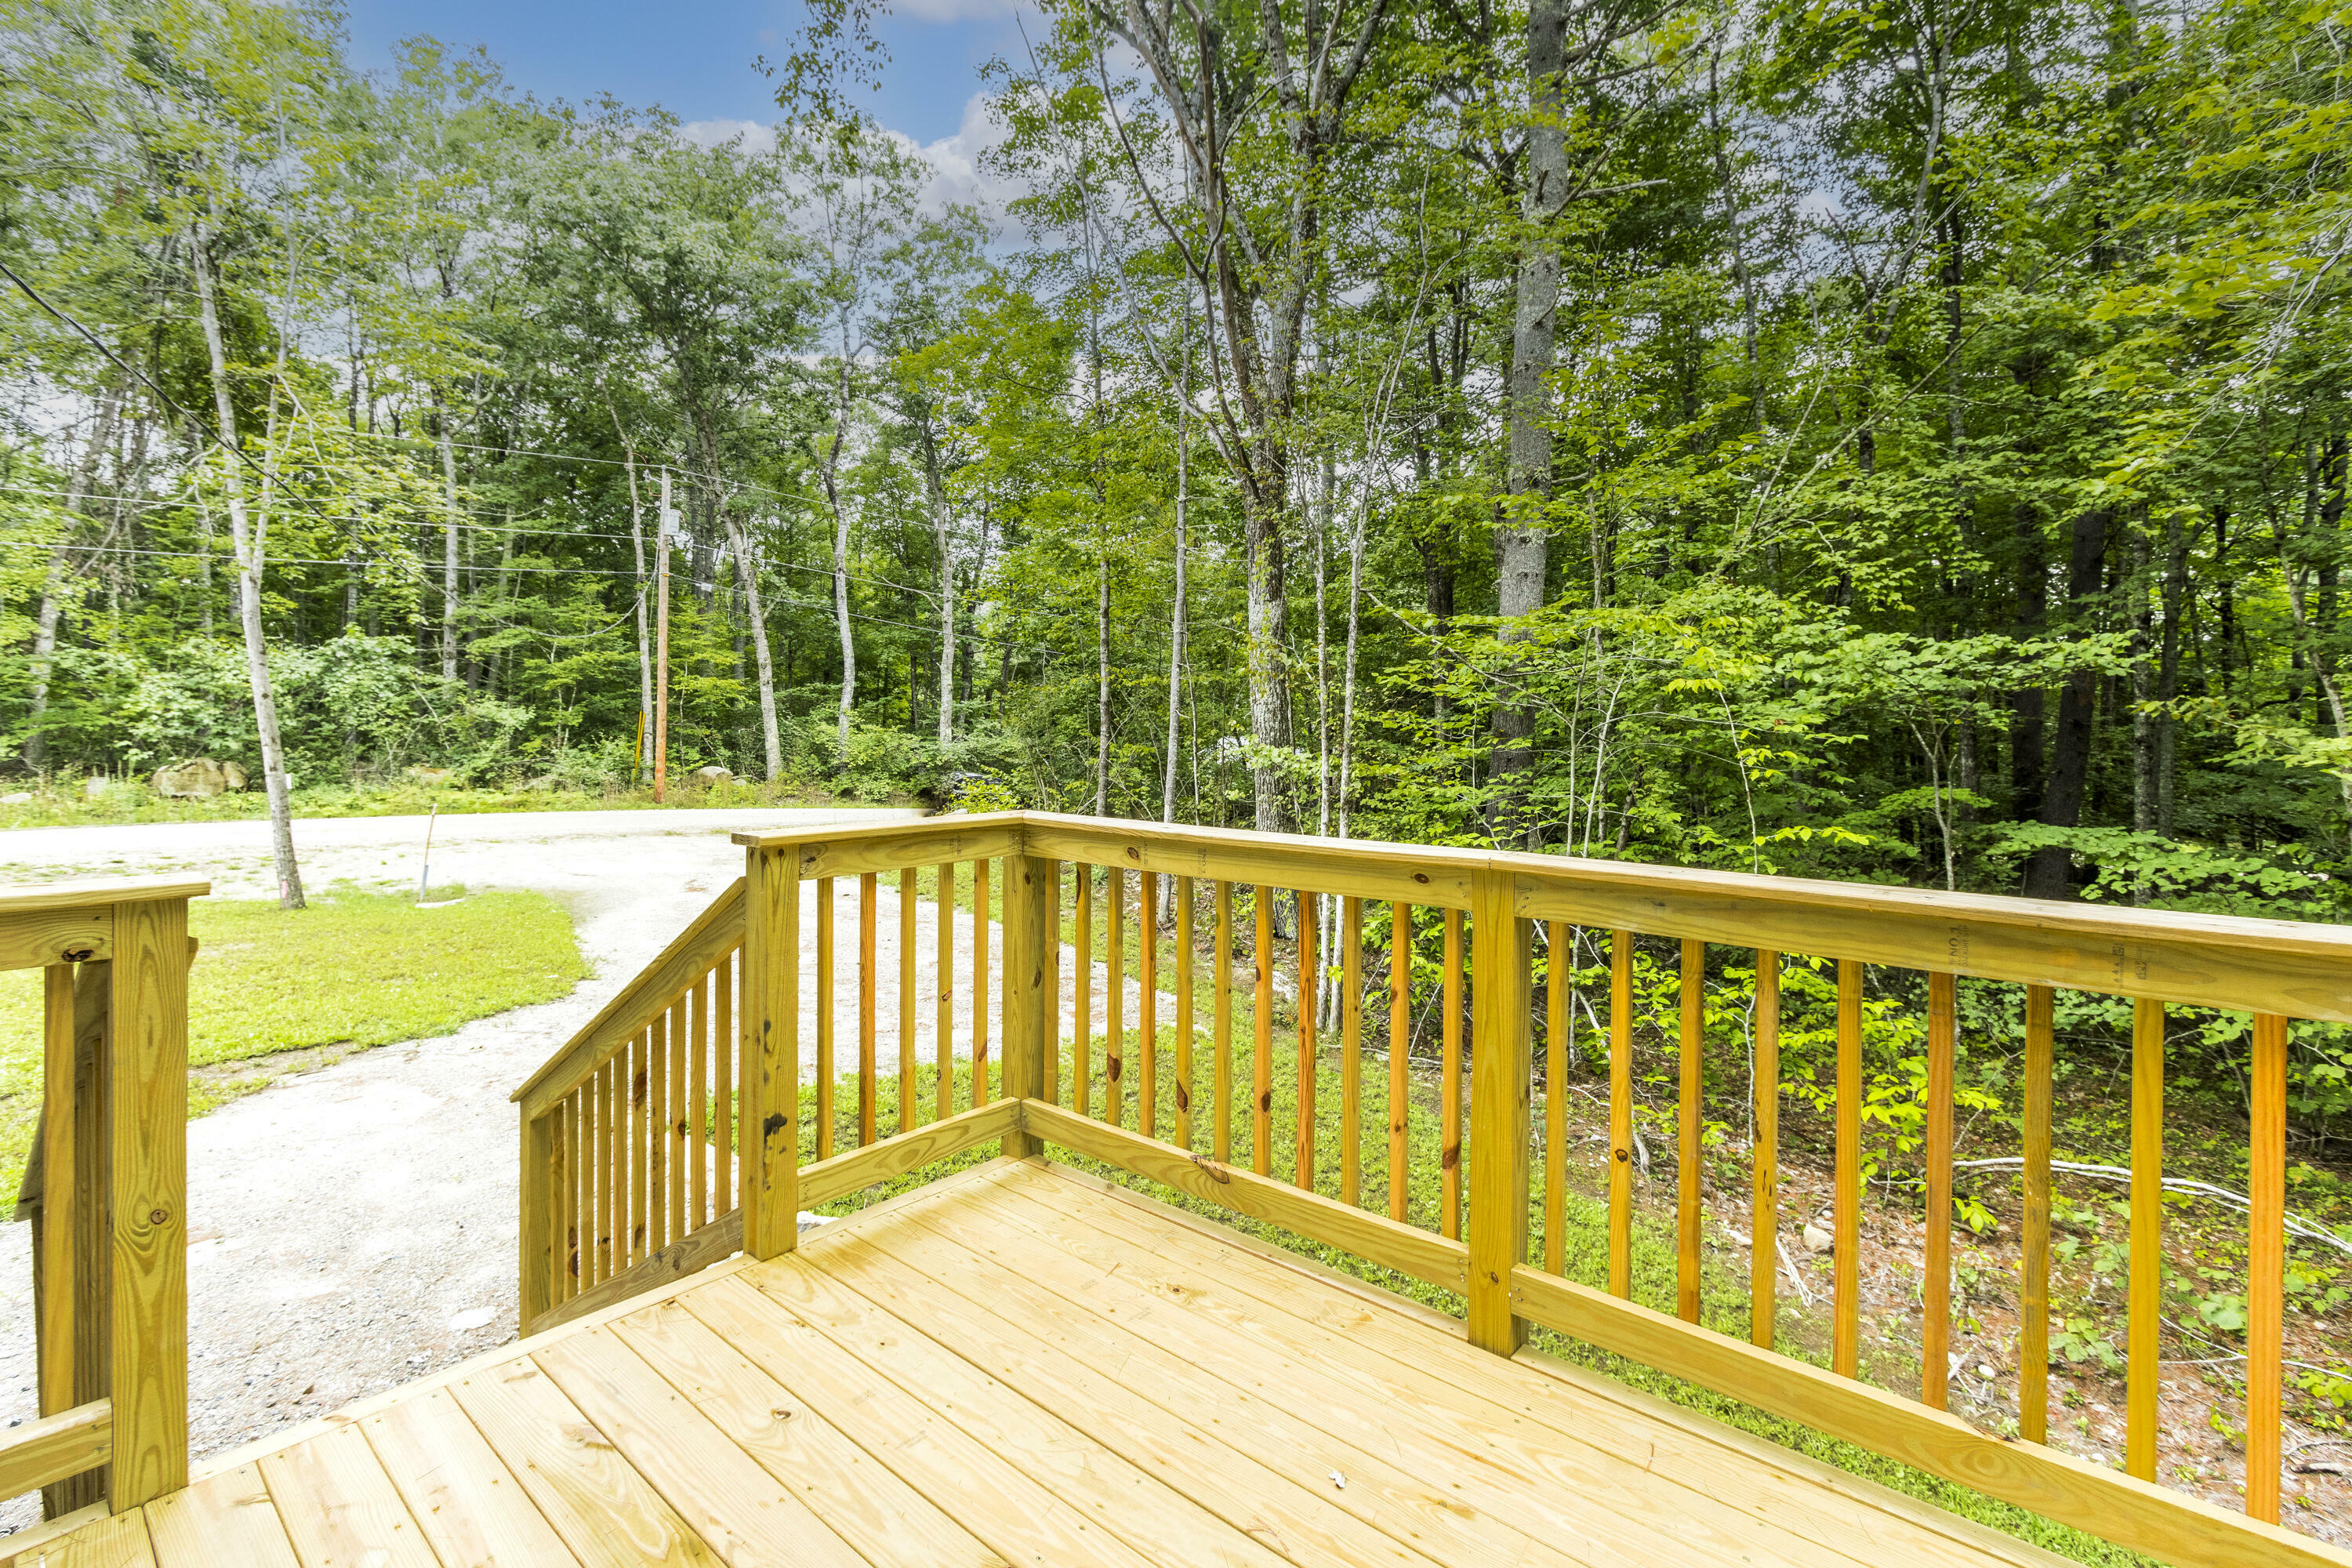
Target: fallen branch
(2310,1230)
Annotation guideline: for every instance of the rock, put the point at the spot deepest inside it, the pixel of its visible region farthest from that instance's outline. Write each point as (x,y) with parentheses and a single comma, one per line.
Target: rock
(1816,1238)
(199,778)
(432,775)
(21,797)
(95,785)
(543,783)
(472,1317)
(714,775)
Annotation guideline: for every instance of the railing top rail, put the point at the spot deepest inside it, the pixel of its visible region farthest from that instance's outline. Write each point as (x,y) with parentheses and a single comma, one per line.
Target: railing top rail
(27,898)
(704,941)
(2244,963)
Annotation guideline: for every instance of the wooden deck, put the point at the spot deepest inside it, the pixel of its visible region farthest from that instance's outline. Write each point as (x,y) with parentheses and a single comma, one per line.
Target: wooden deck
(1019,1364)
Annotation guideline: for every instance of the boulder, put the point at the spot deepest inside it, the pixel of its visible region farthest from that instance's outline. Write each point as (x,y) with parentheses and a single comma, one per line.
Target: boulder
(95,785)
(714,775)
(20,797)
(432,775)
(543,783)
(199,778)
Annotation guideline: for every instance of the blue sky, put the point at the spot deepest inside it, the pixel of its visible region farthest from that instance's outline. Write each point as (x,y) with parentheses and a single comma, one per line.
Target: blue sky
(695,58)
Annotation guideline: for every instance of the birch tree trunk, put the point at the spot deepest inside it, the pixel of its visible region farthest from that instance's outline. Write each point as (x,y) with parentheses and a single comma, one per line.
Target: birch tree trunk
(935,491)
(644,646)
(248,536)
(53,584)
(748,575)
(448,539)
(831,469)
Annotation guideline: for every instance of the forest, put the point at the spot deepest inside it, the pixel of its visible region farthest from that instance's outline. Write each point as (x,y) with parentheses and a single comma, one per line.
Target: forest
(1890,440)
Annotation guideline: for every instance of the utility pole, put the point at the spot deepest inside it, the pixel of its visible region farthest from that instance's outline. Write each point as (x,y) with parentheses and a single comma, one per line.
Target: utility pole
(661,637)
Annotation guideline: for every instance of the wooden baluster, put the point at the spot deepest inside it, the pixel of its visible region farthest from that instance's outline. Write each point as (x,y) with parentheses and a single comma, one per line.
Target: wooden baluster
(1846,1333)
(1935,1330)
(685,1038)
(824,1023)
(908,939)
(1221,1025)
(868,891)
(1115,995)
(64,1330)
(553,1252)
(1764,1095)
(1147,1009)
(722,1088)
(612,1247)
(1449,1098)
(1262,1036)
(659,1120)
(1049,938)
(1620,1113)
(943,1018)
(576,1263)
(1184,1011)
(2140,1368)
(693,1128)
(980,1095)
(1558,954)
(640,1161)
(2033,1354)
(1351,1051)
(1082,1050)
(1400,1055)
(2265,1266)
(1308,987)
(1688,1157)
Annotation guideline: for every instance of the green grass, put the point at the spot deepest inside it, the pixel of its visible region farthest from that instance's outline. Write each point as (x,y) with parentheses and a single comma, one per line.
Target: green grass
(355,970)
(1585,1219)
(65,807)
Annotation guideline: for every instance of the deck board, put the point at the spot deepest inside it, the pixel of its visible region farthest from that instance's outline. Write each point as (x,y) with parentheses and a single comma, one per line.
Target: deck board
(1018,1365)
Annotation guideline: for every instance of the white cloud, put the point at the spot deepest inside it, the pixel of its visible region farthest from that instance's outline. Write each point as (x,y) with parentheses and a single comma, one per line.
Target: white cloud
(954,158)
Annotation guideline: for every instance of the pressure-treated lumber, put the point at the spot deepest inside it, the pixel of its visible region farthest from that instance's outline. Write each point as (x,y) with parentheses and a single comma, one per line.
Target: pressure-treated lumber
(37,939)
(892,846)
(1691,1050)
(1434,1259)
(1365,869)
(1935,1332)
(2265,1264)
(1032,1015)
(54,1447)
(2033,1306)
(147,1137)
(2136,1514)
(687,959)
(341,1507)
(1764,1196)
(1504,1063)
(2142,1376)
(1620,1113)
(1846,1247)
(770,1085)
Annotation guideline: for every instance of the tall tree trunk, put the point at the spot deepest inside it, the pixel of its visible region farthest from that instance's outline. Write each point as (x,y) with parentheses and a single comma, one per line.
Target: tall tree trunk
(2167,681)
(748,575)
(644,644)
(2050,873)
(1176,609)
(53,583)
(831,470)
(935,492)
(2027,705)
(249,538)
(448,539)
(1102,681)
(1523,540)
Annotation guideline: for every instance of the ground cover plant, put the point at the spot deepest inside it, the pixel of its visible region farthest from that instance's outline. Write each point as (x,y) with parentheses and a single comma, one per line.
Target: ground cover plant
(256,996)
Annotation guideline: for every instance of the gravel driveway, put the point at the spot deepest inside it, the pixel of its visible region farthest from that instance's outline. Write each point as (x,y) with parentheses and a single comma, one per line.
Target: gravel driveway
(353,1227)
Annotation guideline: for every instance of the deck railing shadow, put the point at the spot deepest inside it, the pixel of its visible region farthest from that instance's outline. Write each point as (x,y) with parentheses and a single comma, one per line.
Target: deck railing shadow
(667,1135)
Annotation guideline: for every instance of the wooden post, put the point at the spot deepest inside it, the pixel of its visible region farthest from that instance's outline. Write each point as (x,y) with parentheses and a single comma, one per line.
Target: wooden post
(536,1229)
(770,1085)
(1032,890)
(1502,1066)
(147,1166)
(71,1234)
(2265,1266)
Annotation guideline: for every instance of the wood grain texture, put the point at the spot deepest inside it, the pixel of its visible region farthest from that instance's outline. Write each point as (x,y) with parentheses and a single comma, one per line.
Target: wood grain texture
(2142,1372)
(943,1013)
(1261,1034)
(224,1518)
(40,938)
(1147,1005)
(1845,1251)
(2266,1263)
(980,1005)
(689,955)
(2033,1302)
(1351,1052)
(606,1514)
(875,1512)
(2133,1513)
(52,1447)
(469,1505)
(771,1085)
(726,1044)
(1399,1056)
(1185,1085)
(340,1507)
(147,1164)
(1302,1136)
(536,1228)
(1935,1327)
(1220,1040)
(910,1110)
(1689,1156)
(33,898)
(869,988)
(1031,996)
(834,851)
(826,981)
(1764,1193)
(1082,1050)
(1504,1063)
(1403,1247)
(1620,1113)
(85,1538)
(1114,995)
(1556,963)
(1363,867)
(743,1513)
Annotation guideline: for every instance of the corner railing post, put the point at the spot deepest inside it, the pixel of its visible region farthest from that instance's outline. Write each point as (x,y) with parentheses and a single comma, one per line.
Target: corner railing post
(1032,945)
(147,1161)
(769,1138)
(536,1229)
(1502,1068)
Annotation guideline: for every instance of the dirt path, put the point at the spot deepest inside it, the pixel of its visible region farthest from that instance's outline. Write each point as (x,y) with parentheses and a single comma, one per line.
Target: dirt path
(353,1227)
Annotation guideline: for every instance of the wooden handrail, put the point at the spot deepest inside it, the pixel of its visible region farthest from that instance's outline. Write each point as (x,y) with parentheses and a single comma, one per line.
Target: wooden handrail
(1481,910)
(54,1447)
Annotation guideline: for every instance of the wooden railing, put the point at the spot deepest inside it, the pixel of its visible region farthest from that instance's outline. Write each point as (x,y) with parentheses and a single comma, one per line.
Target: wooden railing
(1441,1186)
(105,1189)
